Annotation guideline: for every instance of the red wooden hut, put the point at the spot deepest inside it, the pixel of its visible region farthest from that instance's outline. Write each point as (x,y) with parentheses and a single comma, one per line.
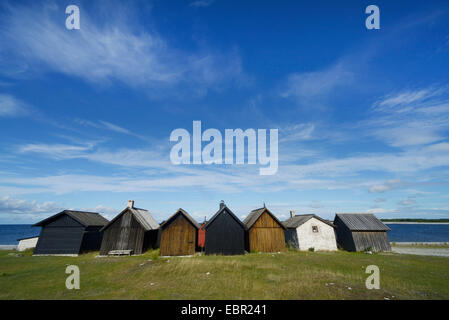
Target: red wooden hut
(202,235)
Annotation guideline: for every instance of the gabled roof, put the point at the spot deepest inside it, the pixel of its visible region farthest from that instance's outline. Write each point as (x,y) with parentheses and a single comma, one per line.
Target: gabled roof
(297,220)
(87,219)
(223,208)
(361,222)
(185,214)
(144,217)
(254,215)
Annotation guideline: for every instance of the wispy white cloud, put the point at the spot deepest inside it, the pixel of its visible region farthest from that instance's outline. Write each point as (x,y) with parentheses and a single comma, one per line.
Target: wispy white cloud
(119,50)
(378,211)
(20,209)
(201,3)
(407,202)
(317,83)
(11,106)
(101,124)
(298,132)
(57,151)
(9,205)
(156,172)
(390,184)
(410,118)
(409,100)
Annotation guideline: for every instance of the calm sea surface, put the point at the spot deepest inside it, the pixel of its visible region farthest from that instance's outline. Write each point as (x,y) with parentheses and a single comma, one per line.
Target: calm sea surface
(418,232)
(9,233)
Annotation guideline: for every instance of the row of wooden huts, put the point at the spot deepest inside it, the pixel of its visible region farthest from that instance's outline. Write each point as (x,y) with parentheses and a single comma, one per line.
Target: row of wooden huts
(134,231)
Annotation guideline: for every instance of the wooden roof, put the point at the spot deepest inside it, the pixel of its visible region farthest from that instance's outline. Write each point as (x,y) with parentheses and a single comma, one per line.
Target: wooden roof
(223,208)
(143,216)
(185,214)
(361,222)
(145,219)
(87,219)
(251,219)
(297,220)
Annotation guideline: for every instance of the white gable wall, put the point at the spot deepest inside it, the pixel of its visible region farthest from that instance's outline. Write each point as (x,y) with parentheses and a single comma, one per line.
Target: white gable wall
(27,244)
(324,239)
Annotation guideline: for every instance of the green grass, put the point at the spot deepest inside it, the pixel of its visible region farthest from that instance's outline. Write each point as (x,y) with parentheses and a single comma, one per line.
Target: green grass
(289,275)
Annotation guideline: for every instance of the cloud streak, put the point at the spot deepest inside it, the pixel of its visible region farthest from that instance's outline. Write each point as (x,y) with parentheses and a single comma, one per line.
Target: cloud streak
(120,50)
(12,107)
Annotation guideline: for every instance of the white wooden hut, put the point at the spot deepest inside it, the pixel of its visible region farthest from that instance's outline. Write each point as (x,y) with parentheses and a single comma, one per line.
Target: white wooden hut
(310,231)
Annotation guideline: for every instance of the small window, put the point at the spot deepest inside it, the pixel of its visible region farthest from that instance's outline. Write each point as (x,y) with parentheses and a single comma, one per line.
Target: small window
(315,228)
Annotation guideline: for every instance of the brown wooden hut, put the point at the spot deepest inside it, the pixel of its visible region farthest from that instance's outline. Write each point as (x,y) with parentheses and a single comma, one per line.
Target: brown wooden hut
(360,231)
(179,235)
(132,231)
(265,232)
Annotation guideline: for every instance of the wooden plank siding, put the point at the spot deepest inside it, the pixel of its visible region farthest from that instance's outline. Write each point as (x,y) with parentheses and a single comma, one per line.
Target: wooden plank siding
(61,236)
(266,235)
(374,240)
(225,235)
(179,238)
(371,233)
(125,233)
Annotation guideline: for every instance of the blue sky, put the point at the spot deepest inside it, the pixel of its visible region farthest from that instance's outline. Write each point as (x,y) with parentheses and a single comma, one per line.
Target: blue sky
(86,115)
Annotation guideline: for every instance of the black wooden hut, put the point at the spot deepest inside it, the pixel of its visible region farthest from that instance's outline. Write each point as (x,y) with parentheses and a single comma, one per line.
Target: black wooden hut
(70,232)
(360,231)
(225,233)
(132,231)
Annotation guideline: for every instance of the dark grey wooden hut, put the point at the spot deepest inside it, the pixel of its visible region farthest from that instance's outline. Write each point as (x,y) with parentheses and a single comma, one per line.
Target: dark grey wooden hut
(361,231)
(70,232)
(133,230)
(225,233)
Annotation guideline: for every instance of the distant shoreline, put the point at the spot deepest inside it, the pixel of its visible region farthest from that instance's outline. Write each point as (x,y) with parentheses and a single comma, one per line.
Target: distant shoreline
(398,222)
(8,247)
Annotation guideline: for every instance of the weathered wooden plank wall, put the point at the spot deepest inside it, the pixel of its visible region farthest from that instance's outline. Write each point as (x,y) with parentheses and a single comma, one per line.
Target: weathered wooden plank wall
(373,240)
(178,238)
(124,234)
(266,235)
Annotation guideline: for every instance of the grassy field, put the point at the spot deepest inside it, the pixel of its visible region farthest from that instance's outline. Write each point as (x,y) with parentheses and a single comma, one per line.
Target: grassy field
(289,275)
